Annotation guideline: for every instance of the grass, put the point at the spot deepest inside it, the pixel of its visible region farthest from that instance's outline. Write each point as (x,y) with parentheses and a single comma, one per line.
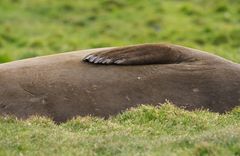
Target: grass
(32,28)
(145,130)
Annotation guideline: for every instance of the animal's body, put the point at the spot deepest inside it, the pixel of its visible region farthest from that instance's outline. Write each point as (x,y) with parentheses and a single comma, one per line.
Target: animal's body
(63,86)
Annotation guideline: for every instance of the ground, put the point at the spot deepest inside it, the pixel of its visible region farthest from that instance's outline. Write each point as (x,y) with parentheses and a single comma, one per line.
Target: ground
(31,28)
(145,130)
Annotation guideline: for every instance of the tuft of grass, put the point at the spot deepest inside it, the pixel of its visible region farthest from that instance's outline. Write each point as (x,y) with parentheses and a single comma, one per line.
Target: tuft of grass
(145,130)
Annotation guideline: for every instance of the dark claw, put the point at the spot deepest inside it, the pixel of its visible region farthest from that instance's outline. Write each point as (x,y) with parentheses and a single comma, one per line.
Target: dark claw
(119,61)
(98,60)
(107,61)
(87,58)
(92,58)
(101,60)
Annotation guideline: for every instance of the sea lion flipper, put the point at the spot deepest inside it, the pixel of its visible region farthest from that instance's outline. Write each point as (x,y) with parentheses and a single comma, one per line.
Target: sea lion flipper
(138,55)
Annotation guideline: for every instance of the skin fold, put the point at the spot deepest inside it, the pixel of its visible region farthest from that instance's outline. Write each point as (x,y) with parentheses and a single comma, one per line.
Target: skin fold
(106,81)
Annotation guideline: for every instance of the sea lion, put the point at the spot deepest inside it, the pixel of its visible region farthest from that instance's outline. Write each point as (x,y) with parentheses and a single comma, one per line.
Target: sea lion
(103,82)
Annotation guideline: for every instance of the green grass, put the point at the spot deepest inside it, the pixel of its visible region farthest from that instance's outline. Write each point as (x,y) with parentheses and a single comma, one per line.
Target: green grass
(145,130)
(40,27)
(30,28)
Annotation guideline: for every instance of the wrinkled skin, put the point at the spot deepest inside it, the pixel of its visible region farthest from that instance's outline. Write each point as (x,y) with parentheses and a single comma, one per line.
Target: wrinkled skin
(64,86)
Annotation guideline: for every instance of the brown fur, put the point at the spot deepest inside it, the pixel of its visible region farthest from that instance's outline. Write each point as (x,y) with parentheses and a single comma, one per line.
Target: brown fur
(62,86)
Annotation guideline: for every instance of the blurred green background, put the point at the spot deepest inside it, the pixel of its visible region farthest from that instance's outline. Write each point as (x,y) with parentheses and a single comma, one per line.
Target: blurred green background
(31,28)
